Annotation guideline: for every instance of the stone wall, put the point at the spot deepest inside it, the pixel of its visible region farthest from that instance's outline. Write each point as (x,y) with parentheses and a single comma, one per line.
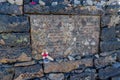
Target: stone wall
(82,38)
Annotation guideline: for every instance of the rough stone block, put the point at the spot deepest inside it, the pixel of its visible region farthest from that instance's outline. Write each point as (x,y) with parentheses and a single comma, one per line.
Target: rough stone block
(11,55)
(83,76)
(14,39)
(108,34)
(14,23)
(28,72)
(63,35)
(6,72)
(110,20)
(58,76)
(66,66)
(108,72)
(106,46)
(25,64)
(7,8)
(104,61)
(112,7)
(64,6)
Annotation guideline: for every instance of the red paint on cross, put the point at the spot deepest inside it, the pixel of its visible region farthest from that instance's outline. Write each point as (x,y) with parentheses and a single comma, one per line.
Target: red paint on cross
(45,55)
(33,3)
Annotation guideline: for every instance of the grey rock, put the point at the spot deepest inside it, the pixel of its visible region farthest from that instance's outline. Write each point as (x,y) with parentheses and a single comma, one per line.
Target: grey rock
(7,8)
(108,72)
(104,61)
(76,2)
(109,45)
(28,72)
(78,57)
(53,76)
(25,64)
(89,2)
(83,76)
(6,72)
(14,23)
(42,3)
(11,55)
(108,34)
(116,65)
(54,3)
(15,39)
(71,58)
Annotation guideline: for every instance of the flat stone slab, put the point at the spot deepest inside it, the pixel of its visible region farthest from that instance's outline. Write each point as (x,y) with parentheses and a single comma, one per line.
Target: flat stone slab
(7,8)
(14,39)
(63,35)
(11,55)
(66,66)
(28,72)
(14,23)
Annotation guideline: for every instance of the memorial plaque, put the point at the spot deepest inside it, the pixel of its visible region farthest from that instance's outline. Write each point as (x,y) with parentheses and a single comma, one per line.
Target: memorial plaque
(63,35)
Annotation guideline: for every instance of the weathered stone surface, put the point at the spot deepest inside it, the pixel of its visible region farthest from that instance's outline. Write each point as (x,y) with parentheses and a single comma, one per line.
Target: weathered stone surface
(108,72)
(116,65)
(108,34)
(6,72)
(116,53)
(112,7)
(109,46)
(24,57)
(25,63)
(83,76)
(116,77)
(11,55)
(7,8)
(66,6)
(28,72)
(15,39)
(14,23)
(66,66)
(62,9)
(104,61)
(59,76)
(79,70)
(63,35)
(110,20)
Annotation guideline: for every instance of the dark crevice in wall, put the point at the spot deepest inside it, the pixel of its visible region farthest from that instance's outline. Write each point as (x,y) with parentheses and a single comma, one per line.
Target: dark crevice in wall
(61,14)
(13,76)
(100,32)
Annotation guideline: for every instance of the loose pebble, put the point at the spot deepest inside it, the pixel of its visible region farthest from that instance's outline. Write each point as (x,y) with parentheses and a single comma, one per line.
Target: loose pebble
(90,2)
(93,43)
(54,3)
(42,3)
(19,2)
(11,1)
(76,2)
